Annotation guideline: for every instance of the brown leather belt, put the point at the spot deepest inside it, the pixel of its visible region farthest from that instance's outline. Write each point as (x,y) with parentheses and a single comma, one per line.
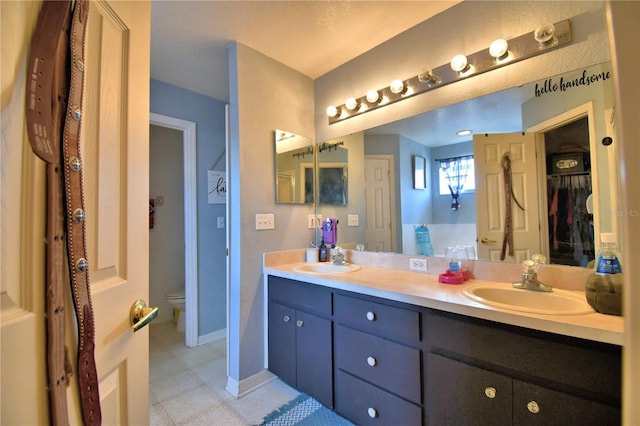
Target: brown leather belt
(509,194)
(55,87)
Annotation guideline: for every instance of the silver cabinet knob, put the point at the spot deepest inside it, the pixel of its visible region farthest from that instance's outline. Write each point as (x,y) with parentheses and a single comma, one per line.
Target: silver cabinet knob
(373,413)
(490,392)
(299,323)
(372,361)
(533,407)
(371,316)
(286,318)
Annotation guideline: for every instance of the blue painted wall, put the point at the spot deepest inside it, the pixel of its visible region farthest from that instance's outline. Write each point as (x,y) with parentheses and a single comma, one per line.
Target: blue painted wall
(208,114)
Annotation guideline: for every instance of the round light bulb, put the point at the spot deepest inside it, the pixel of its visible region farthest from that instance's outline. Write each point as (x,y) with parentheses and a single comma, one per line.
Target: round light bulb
(544,33)
(373,96)
(499,48)
(459,63)
(351,104)
(332,111)
(397,87)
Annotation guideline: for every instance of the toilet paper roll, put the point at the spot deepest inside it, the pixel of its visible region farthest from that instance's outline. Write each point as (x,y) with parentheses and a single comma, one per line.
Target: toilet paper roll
(312,255)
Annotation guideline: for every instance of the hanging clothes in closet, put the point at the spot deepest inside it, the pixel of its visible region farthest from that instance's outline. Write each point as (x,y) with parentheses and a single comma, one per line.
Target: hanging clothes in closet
(570,224)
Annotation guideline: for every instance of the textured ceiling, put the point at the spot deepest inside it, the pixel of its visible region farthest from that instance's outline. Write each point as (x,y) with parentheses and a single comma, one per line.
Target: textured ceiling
(189,38)
(189,42)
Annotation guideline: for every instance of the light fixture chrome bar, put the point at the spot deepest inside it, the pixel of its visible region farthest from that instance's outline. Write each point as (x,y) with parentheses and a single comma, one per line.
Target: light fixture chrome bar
(519,48)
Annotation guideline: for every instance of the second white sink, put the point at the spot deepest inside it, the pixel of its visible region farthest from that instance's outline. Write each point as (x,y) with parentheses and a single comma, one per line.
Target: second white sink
(324,268)
(557,302)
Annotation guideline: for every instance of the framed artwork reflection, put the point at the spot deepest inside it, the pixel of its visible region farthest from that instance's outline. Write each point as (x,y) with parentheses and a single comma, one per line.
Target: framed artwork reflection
(419,172)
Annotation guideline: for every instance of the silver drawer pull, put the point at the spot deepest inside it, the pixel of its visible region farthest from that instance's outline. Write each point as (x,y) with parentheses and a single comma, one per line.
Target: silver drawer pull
(372,361)
(286,318)
(490,392)
(533,407)
(299,323)
(373,413)
(371,316)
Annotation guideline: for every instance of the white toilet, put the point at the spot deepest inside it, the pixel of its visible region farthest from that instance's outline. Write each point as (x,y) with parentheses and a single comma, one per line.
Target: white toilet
(176,298)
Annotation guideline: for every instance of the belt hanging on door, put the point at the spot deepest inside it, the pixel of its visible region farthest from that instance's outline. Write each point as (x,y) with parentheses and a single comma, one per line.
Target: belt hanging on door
(509,194)
(54,112)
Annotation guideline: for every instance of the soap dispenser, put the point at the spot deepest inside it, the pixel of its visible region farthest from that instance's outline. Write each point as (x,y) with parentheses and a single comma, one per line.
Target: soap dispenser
(322,252)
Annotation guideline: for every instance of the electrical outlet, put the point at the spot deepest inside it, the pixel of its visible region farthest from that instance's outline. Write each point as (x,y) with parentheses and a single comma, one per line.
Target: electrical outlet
(265,221)
(418,265)
(313,220)
(353,220)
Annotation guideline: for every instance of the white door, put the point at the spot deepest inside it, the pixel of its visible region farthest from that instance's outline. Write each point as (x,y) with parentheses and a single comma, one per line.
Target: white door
(488,151)
(115,165)
(379,204)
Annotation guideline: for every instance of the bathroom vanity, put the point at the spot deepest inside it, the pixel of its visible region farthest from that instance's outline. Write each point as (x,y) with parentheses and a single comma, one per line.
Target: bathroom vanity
(415,352)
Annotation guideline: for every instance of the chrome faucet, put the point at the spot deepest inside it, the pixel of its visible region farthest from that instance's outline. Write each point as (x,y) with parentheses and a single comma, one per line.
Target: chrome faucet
(338,256)
(530,275)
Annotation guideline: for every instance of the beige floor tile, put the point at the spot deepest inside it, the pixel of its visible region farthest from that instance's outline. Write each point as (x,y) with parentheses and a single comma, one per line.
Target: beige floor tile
(173,386)
(219,416)
(188,385)
(191,404)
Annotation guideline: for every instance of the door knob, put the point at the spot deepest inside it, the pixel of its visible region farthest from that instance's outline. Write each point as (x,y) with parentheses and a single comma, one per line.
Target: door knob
(140,315)
(485,240)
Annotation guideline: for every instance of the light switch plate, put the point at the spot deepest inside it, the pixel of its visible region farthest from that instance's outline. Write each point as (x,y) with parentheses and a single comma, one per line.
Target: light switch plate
(220,222)
(265,221)
(313,220)
(353,220)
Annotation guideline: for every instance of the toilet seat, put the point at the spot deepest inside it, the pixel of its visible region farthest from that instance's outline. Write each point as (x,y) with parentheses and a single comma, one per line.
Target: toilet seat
(176,294)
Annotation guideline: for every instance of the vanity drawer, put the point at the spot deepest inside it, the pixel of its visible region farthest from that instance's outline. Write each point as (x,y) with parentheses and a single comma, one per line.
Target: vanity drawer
(305,296)
(377,318)
(389,365)
(365,404)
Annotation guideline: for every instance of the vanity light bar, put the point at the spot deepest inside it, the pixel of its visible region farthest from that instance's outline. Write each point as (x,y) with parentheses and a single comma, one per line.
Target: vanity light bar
(543,39)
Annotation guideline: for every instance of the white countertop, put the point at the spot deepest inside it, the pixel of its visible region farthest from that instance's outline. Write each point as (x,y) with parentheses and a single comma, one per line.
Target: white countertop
(424,290)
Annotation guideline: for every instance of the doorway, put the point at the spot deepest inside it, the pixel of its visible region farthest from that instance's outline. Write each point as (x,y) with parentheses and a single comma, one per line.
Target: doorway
(380,203)
(566,184)
(188,130)
(569,187)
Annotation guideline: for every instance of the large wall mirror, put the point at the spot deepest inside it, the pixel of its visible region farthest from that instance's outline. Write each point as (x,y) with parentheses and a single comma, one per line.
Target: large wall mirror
(295,168)
(565,119)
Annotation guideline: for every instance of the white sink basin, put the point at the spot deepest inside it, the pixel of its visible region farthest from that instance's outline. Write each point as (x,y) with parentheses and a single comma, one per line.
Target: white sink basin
(325,268)
(557,302)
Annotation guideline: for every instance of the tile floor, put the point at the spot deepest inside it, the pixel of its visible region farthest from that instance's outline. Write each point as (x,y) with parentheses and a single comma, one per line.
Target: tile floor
(187,385)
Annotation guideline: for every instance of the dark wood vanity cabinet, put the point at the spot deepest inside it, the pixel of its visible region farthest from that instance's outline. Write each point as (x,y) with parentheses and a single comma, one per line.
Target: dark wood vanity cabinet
(387,363)
(377,362)
(300,342)
(480,372)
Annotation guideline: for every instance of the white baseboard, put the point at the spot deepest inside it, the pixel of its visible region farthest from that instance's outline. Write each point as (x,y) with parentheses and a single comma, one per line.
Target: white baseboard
(212,337)
(243,387)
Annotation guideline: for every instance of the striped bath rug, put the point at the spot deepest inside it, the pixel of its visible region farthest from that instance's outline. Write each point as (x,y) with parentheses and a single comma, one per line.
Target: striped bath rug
(304,411)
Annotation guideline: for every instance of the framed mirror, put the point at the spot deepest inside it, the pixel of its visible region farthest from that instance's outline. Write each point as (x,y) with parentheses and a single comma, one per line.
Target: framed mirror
(295,168)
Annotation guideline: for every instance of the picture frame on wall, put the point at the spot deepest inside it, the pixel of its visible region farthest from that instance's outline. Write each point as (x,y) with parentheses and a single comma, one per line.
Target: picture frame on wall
(419,172)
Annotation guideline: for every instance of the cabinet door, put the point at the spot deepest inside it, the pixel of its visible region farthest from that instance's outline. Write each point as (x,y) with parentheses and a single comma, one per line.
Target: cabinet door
(461,394)
(282,342)
(535,405)
(314,363)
